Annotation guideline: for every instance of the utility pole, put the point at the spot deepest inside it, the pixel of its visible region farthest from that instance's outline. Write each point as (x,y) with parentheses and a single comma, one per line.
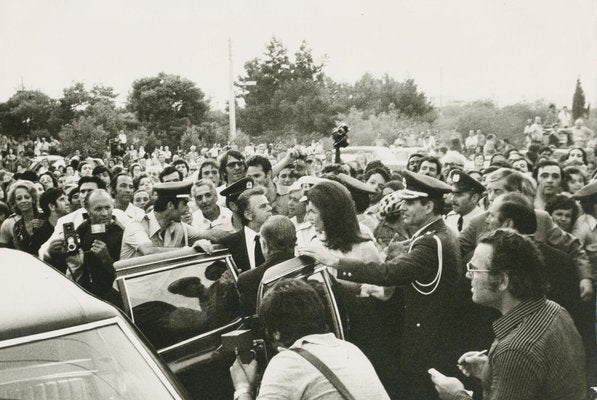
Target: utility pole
(231,100)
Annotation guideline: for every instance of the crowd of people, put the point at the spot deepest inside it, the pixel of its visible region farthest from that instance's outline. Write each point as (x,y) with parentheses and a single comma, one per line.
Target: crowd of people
(478,260)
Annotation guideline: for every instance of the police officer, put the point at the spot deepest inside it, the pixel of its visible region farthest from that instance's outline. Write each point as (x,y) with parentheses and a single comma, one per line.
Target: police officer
(162,229)
(426,271)
(231,194)
(466,193)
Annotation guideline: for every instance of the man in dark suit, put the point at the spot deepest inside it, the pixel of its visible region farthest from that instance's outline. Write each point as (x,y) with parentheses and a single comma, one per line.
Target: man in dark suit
(506,180)
(426,273)
(278,238)
(253,209)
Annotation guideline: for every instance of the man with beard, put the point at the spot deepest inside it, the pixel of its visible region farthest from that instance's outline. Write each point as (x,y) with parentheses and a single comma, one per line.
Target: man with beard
(466,193)
(122,190)
(426,272)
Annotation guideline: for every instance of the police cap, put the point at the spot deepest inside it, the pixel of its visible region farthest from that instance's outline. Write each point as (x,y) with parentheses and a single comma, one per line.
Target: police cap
(418,186)
(233,191)
(463,182)
(178,190)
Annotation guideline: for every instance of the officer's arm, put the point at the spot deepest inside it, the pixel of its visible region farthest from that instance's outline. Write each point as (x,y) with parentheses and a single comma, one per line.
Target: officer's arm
(420,264)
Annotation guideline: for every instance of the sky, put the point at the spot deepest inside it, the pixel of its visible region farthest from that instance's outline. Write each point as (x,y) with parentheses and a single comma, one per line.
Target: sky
(456,50)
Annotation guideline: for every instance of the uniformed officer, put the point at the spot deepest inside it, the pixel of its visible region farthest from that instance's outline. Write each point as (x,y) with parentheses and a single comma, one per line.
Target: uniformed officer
(231,194)
(162,229)
(466,194)
(426,272)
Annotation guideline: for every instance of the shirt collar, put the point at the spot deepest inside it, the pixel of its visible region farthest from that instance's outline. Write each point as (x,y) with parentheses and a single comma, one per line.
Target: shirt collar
(508,322)
(425,227)
(325,339)
(154,225)
(250,234)
(591,221)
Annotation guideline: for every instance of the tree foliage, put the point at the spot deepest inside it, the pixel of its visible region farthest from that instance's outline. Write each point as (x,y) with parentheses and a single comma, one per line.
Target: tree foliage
(166,105)
(578,102)
(27,112)
(289,95)
(86,136)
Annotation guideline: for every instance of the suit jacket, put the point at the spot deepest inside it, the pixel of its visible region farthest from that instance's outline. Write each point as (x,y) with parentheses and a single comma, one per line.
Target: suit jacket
(426,326)
(235,242)
(547,232)
(248,283)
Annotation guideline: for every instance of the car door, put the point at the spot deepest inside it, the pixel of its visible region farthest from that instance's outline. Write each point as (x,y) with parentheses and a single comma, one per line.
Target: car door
(317,275)
(183,301)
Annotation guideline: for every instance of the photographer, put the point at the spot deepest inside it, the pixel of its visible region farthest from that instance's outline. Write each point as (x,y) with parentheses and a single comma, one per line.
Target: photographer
(98,242)
(293,316)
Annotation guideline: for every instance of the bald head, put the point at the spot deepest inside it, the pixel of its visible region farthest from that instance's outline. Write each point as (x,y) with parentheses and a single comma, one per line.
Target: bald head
(99,205)
(278,235)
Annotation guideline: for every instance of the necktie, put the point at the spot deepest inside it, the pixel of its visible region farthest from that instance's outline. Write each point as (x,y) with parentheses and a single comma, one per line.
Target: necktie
(259,259)
(460,221)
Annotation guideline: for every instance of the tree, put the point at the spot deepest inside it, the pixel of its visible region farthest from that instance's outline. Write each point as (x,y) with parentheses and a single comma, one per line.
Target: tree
(166,105)
(28,111)
(289,96)
(86,136)
(578,102)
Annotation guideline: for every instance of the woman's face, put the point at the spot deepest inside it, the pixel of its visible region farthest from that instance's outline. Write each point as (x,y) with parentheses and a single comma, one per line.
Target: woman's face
(141,198)
(23,200)
(563,218)
(46,182)
(314,216)
(575,183)
(146,184)
(136,171)
(575,155)
(86,170)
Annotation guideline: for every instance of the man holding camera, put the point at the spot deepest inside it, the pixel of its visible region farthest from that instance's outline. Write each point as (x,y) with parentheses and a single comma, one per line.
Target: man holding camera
(294,318)
(96,242)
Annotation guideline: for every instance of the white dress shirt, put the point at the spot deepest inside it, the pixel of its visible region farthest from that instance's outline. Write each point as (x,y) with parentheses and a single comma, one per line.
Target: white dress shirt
(250,235)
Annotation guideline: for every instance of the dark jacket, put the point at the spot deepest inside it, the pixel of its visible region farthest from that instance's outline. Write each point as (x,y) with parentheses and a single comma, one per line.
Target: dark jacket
(427,327)
(547,232)
(98,276)
(235,242)
(248,282)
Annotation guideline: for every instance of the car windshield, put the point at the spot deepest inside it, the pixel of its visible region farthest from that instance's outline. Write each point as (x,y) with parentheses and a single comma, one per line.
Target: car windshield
(176,304)
(100,363)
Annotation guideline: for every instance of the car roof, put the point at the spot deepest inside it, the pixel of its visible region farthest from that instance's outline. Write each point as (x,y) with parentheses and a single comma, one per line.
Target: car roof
(36,298)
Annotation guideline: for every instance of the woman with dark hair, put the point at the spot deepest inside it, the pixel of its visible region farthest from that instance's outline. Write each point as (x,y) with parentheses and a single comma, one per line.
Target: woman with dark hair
(16,231)
(332,214)
(573,179)
(48,180)
(576,154)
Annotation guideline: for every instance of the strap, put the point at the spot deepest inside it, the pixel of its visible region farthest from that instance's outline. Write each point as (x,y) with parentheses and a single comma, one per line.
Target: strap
(317,363)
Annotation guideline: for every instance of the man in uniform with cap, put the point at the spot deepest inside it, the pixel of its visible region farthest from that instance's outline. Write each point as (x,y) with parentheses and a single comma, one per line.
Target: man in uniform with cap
(231,194)
(466,193)
(426,272)
(162,229)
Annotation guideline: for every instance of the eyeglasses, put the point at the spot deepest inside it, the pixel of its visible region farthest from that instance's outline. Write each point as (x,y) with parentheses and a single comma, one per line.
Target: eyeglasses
(234,164)
(470,268)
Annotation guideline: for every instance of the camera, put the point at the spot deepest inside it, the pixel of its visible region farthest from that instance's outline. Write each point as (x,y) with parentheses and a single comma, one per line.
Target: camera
(340,136)
(70,238)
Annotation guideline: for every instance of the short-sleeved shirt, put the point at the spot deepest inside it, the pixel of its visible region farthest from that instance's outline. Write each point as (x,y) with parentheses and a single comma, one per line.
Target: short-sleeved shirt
(222,222)
(290,376)
(148,230)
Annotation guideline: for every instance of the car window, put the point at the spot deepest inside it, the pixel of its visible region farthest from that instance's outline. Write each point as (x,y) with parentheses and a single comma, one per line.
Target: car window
(93,364)
(176,304)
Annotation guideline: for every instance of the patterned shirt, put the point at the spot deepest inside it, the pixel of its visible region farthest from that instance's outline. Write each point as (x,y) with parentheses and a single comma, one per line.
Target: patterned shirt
(537,354)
